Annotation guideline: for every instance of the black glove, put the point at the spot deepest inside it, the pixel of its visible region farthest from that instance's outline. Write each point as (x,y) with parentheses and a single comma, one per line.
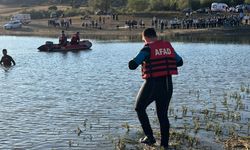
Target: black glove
(132,65)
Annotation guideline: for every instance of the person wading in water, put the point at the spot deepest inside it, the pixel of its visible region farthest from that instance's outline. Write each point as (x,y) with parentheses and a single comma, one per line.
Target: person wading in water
(159,62)
(6,60)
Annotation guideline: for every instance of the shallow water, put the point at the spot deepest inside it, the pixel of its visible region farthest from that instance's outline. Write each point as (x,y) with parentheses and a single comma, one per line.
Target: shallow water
(46,97)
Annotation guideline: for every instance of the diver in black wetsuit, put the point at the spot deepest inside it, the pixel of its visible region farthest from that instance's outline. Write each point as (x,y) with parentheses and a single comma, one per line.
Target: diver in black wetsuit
(6,60)
(159,62)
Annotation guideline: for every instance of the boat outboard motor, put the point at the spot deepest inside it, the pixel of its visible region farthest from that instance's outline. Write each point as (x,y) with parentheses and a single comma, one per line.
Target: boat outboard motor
(48,43)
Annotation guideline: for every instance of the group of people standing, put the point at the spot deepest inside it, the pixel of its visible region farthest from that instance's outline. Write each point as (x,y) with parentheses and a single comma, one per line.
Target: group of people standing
(75,39)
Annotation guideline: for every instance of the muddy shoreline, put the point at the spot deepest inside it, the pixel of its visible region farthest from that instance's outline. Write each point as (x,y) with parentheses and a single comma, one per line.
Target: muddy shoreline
(41,29)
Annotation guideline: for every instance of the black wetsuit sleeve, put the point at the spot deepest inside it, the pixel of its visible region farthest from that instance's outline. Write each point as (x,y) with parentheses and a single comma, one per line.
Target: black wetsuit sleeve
(14,63)
(132,65)
(142,55)
(12,60)
(180,63)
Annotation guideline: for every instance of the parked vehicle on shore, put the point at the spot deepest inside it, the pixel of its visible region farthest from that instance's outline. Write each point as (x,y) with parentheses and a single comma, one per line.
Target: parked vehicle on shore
(23,18)
(13,25)
(219,7)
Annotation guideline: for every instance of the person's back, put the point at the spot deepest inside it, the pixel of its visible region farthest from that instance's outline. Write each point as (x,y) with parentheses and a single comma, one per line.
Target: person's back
(75,39)
(63,39)
(6,59)
(159,62)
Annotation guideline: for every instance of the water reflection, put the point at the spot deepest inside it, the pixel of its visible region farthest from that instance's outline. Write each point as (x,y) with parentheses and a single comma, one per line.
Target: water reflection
(222,38)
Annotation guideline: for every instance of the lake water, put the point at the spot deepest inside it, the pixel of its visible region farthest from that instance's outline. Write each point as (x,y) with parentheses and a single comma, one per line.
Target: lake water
(47,97)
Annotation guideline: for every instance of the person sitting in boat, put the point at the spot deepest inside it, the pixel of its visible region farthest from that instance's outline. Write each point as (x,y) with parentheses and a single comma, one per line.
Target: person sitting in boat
(63,39)
(75,39)
(6,60)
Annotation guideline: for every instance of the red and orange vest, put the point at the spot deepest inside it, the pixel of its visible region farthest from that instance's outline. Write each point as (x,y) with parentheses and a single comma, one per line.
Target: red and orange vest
(62,38)
(162,61)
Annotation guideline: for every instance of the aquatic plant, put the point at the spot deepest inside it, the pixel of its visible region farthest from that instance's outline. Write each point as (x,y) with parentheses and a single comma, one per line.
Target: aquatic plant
(121,144)
(217,129)
(70,143)
(236,142)
(248,129)
(171,111)
(232,130)
(224,102)
(222,116)
(184,111)
(126,125)
(209,126)
(205,112)
(85,123)
(242,88)
(198,94)
(196,125)
(78,131)
(248,90)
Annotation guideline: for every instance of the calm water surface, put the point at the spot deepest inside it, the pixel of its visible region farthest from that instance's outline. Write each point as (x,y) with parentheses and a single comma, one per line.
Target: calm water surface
(47,97)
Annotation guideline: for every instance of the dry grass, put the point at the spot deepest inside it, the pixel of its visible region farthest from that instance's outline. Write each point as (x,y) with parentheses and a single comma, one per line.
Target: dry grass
(7,11)
(10,10)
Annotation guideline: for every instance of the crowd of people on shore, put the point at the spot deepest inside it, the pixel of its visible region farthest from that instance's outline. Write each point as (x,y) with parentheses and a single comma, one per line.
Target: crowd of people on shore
(196,23)
(187,22)
(181,22)
(98,21)
(61,21)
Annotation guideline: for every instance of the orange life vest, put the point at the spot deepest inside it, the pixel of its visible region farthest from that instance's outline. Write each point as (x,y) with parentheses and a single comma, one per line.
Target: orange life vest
(63,38)
(162,61)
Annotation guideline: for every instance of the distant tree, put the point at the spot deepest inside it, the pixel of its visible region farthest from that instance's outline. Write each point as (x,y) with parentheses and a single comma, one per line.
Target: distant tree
(103,5)
(206,3)
(157,5)
(236,2)
(119,3)
(138,5)
(195,4)
(170,4)
(52,8)
(26,2)
(76,3)
(247,1)
(182,4)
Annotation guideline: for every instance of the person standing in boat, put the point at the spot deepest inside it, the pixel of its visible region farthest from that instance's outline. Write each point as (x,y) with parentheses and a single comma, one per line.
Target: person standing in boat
(159,62)
(7,60)
(63,39)
(75,39)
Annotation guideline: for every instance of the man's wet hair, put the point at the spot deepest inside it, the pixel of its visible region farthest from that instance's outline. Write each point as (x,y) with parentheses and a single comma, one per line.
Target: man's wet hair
(149,32)
(4,50)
